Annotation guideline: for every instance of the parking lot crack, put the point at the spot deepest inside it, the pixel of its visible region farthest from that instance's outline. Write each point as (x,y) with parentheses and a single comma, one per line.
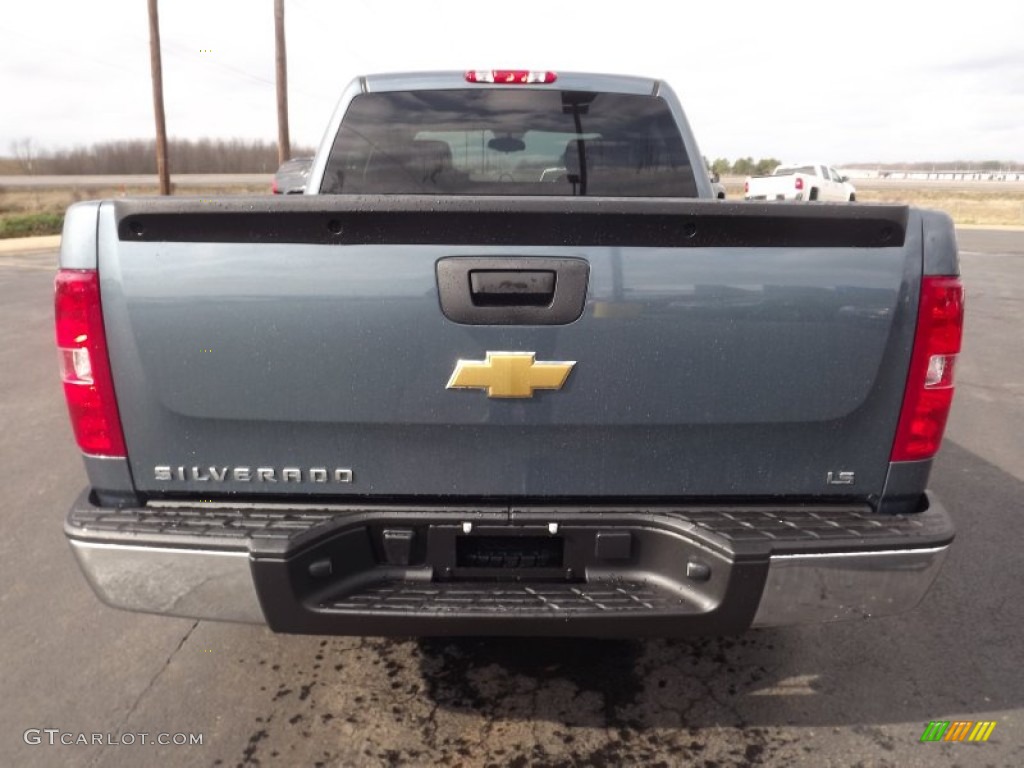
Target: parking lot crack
(149,686)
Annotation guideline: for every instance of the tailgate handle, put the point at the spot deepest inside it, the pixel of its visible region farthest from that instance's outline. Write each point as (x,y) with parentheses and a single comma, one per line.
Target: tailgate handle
(512,290)
(506,288)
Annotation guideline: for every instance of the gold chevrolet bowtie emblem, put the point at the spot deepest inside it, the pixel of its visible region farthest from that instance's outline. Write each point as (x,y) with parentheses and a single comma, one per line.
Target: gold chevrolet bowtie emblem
(509,374)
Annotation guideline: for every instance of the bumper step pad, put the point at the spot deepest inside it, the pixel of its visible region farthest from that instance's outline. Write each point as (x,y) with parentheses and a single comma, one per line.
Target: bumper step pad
(523,599)
(782,530)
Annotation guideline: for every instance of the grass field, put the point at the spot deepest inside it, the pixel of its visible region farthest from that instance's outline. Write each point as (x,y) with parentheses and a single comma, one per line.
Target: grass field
(967,204)
(26,212)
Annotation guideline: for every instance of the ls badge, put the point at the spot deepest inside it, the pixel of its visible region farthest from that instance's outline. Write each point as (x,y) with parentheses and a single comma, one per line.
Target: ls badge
(509,374)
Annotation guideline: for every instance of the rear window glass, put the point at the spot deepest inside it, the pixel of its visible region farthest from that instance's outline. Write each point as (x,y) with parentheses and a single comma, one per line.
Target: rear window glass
(509,142)
(789,170)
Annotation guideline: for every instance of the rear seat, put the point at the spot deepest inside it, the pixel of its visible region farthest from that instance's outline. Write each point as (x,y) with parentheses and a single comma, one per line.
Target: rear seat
(422,166)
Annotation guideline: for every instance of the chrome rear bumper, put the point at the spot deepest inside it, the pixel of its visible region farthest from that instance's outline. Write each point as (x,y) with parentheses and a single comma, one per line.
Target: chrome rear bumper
(807,589)
(266,572)
(192,583)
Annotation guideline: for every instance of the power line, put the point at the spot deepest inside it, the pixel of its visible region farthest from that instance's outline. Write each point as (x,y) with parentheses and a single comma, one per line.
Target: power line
(79,53)
(189,53)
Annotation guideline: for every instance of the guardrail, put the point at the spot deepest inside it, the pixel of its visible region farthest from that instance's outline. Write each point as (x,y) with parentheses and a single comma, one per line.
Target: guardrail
(134,180)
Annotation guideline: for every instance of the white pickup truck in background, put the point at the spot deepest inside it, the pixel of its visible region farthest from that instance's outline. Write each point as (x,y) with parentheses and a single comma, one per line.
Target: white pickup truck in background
(800,182)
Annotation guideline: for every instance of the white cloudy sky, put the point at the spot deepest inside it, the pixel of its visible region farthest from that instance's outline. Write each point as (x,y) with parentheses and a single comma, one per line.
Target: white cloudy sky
(829,81)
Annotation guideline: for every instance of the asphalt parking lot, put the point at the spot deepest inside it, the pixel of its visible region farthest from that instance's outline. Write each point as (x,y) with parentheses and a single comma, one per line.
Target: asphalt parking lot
(843,694)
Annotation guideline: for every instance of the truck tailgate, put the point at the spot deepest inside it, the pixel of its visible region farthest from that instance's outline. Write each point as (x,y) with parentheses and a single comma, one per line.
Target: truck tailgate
(299,346)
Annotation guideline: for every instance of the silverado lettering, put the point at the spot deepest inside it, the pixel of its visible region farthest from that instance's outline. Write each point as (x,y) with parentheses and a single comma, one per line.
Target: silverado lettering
(168,473)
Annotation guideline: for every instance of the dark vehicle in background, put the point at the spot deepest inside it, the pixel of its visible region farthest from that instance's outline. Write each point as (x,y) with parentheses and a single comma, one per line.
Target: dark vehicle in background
(508,368)
(292,176)
(717,187)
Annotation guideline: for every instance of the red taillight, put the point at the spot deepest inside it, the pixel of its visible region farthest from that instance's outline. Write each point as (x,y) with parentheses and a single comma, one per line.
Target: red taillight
(746,187)
(798,183)
(509,76)
(84,365)
(929,394)
(273,187)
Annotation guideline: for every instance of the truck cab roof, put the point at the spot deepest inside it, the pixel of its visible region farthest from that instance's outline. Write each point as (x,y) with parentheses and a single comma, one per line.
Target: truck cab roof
(456,79)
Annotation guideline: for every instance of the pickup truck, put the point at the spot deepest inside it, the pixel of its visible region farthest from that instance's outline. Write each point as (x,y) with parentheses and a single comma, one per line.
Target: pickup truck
(508,368)
(717,187)
(800,182)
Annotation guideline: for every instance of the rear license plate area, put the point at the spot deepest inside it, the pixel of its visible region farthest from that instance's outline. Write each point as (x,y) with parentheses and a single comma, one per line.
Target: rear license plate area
(513,553)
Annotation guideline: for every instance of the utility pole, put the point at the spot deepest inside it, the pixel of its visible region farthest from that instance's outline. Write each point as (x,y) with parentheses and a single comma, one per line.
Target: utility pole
(158,100)
(284,145)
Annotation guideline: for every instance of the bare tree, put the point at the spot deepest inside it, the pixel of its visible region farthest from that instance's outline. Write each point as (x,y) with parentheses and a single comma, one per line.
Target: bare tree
(25,153)
(139,156)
